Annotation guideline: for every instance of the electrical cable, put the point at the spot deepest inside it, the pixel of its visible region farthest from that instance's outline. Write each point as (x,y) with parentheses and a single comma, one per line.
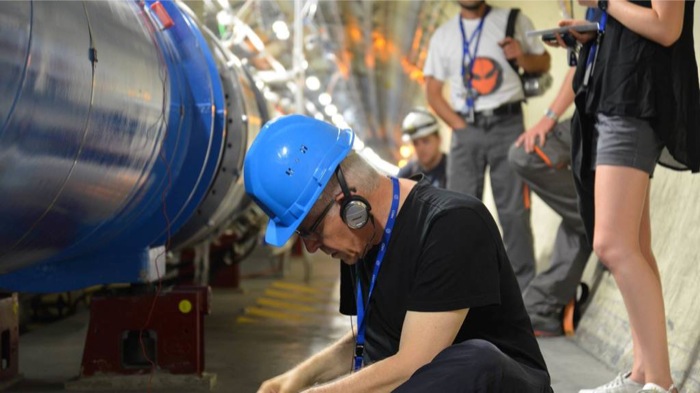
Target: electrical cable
(159,287)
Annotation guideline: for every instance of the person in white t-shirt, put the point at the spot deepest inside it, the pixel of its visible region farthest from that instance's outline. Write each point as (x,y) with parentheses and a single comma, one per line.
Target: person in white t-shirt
(472,54)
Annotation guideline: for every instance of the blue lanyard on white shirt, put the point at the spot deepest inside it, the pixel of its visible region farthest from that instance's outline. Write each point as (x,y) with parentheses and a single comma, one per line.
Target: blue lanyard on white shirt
(467,53)
(361,306)
(593,53)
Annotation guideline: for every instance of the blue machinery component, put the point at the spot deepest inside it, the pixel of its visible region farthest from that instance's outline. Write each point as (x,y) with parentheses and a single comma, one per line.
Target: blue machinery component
(122,125)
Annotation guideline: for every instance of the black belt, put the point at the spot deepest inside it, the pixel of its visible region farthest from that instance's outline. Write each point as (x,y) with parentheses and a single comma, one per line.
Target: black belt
(511,108)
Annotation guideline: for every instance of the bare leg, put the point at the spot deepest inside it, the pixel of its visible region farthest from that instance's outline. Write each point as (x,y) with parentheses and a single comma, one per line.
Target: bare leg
(645,236)
(645,245)
(621,211)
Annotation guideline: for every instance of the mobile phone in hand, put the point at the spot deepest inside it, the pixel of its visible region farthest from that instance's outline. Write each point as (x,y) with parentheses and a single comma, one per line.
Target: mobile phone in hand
(568,39)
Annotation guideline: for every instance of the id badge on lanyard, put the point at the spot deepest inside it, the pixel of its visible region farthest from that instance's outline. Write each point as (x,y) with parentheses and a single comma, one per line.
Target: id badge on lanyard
(362,306)
(467,75)
(470,114)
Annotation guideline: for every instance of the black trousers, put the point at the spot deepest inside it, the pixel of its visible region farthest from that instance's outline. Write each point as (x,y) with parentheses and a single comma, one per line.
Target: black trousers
(476,366)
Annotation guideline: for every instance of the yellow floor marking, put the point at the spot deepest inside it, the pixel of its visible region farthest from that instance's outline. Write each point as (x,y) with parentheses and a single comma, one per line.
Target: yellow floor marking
(299,297)
(282,301)
(262,312)
(285,305)
(246,320)
(299,287)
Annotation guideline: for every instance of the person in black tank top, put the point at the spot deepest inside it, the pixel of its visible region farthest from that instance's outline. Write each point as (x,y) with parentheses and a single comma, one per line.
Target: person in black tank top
(636,94)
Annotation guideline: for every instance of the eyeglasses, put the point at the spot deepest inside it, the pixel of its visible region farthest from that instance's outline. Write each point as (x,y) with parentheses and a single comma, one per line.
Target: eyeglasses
(304,233)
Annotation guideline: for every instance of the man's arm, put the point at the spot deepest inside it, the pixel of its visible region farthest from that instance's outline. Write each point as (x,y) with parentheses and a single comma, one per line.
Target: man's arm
(331,363)
(512,49)
(433,91)
(561,102)
(423,336)
(534,63)
(527,52)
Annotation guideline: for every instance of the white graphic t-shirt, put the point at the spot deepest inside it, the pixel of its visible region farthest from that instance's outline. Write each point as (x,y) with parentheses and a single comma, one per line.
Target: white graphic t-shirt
(493,78)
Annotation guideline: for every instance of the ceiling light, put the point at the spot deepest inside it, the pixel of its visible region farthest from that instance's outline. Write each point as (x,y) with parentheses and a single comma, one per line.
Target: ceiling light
(312,83)
(281,30)
(331,110)
(324,99)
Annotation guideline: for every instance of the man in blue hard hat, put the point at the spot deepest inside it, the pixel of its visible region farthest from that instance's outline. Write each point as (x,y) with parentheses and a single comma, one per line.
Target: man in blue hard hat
(425,271)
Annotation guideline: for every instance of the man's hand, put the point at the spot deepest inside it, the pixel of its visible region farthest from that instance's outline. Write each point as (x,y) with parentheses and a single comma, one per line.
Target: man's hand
(285,383)
(511,48)
(433,92)
(538,132)
(459,125)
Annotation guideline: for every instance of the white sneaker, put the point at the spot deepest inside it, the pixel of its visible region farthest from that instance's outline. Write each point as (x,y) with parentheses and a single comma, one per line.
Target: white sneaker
(621,384)
(654,388)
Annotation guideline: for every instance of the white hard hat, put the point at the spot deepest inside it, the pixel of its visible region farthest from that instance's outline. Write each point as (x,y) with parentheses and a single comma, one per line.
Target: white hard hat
(419,123)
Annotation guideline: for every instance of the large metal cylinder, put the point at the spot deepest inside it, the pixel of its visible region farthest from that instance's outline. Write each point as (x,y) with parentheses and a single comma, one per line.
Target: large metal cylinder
(114,126)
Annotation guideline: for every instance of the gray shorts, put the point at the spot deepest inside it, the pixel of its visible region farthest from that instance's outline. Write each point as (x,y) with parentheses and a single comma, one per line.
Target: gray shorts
(625,141)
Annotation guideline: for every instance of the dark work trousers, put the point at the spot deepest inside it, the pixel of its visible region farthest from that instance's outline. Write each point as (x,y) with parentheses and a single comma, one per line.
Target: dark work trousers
(476,366)
(483,144)
(547,170)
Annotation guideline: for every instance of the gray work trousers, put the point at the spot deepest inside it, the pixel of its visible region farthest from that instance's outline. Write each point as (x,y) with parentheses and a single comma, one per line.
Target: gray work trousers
(547,171)
(486,143)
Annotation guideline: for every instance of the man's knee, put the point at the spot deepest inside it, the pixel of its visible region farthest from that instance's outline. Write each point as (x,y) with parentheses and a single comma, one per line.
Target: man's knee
(473,365)
(518,159)
(477,354)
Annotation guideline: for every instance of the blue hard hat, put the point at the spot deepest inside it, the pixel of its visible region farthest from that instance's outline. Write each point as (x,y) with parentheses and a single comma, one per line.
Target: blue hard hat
(288,166)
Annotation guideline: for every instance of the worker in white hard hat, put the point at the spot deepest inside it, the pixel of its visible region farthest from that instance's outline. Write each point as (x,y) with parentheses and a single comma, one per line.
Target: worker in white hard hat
(422,129)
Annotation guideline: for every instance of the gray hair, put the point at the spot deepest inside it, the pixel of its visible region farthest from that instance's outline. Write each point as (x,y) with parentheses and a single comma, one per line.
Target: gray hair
(359,175)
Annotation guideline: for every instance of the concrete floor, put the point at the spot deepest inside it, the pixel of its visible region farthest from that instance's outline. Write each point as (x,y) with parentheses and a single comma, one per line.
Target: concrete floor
(261,331)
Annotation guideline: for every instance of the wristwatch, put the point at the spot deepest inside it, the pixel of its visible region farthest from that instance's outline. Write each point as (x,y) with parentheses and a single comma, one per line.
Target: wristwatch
(549,113)
(603,5)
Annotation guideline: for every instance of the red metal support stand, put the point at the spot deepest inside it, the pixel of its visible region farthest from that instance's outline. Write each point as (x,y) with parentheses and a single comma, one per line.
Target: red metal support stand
(224,274)
(173,339)
(9,341)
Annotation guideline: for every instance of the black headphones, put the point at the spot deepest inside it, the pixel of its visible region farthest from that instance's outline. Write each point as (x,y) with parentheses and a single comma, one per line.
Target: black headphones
(354,209)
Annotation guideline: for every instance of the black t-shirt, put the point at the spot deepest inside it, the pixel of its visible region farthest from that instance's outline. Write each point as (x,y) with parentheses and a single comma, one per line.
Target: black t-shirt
(445,254)
(436,176)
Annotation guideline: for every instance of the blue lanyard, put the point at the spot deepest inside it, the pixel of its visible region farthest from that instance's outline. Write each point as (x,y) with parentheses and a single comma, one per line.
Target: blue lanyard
(361,306)
(467,53)
(593,53)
